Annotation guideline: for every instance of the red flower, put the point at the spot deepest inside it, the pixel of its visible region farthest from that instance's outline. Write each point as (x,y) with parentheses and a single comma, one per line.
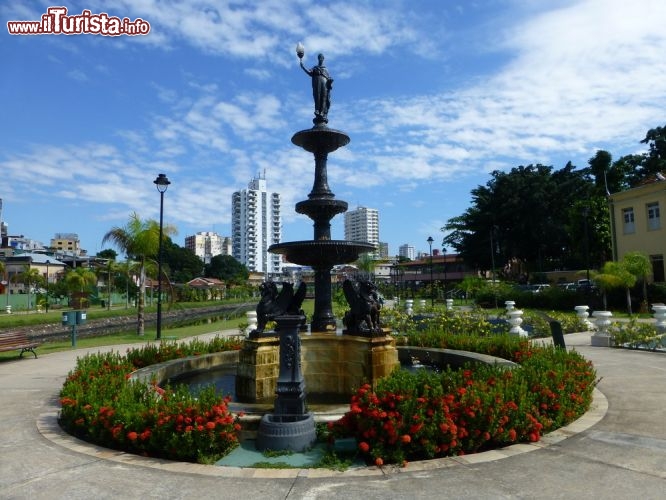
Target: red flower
(132,436)
(363,446)
(406,438)
(379,461)
(512,434)
(210,425)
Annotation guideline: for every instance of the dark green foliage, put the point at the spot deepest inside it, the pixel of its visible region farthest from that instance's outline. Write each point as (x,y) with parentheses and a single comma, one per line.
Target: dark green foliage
(182,263)
(226,268)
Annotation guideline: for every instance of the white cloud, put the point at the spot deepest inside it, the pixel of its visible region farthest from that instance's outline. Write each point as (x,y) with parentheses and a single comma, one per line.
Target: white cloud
(78,75)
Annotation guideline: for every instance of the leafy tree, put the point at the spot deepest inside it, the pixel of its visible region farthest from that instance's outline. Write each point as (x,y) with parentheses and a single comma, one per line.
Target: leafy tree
(108,253)
(183,264)
(639,265)
(139,240)
(655,160)
(521,216)
(226,268)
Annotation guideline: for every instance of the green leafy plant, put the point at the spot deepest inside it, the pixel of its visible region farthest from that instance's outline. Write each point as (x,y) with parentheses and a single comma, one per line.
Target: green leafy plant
(422,415)
(634,334)
(100,404)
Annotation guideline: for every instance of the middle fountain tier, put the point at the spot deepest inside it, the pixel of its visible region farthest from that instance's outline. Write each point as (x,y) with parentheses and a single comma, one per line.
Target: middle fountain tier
(321,253)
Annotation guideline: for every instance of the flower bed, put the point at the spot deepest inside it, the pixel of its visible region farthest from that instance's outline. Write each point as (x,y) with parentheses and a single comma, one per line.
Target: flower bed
(423,415)
(409,417)
(99,404)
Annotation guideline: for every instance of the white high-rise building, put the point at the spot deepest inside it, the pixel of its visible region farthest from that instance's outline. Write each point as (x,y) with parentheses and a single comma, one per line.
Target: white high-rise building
(256,225)
(407,251)
(206,245)
(362,224)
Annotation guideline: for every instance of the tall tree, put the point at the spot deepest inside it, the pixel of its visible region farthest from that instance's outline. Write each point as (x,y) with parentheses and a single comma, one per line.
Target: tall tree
(655,160)
(520,216)
(226,268)
(183,264)
(139,240)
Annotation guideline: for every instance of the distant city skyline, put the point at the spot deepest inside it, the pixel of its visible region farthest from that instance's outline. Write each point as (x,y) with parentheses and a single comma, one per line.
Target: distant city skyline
(434,96)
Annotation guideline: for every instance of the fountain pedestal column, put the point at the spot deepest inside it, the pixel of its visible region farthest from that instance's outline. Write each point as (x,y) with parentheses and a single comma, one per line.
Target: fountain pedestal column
(290,426)
(321,253)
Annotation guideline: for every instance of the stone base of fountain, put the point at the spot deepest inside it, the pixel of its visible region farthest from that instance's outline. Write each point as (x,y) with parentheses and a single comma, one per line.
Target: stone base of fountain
(333,366)
(286,432)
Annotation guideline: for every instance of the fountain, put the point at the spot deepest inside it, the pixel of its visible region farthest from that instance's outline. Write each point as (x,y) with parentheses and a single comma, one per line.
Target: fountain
(282,361)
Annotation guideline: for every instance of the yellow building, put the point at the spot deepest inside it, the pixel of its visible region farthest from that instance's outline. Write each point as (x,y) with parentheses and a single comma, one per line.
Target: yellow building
(67,242)
(636,223)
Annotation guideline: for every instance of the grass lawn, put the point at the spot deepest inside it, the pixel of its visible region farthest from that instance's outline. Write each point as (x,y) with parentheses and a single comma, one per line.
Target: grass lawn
(8,321)
(179,332)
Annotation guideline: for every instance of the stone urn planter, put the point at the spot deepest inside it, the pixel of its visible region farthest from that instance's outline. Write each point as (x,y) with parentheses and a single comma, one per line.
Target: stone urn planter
(583,316)
(515,320)
(602,320)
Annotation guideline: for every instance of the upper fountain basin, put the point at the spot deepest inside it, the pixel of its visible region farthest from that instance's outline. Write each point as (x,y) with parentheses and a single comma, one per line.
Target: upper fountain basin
(320,139)
(321,253)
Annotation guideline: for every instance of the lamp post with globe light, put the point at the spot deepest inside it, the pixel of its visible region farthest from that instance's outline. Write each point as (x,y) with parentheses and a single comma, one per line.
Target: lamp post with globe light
(162,183)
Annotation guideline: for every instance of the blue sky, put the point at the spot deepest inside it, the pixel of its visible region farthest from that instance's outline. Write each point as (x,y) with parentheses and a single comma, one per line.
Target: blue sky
(435,95)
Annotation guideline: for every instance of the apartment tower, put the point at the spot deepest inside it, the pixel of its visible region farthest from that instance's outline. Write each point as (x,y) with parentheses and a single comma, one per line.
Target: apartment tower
(256,225)
(362,224)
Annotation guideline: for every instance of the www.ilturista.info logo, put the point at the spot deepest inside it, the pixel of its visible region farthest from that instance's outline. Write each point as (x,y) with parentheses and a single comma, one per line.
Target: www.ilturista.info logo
(56,22)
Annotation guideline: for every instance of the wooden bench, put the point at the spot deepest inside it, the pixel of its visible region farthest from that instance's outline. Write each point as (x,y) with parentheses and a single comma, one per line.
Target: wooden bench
(10,341)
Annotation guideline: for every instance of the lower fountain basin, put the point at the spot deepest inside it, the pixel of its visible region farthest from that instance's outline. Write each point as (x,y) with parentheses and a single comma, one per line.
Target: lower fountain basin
(321,253)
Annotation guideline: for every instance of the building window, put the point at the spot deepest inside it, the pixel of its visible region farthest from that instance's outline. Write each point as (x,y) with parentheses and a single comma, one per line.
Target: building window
(654,221)
(628,218)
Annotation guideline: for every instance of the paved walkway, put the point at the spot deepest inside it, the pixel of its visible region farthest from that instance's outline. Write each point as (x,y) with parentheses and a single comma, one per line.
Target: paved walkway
(616,451)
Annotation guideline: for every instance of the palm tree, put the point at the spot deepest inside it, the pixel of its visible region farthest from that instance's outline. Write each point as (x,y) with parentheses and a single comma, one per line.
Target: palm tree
(139,240)
(77,280)
(30,277)
(366,266)
(638,264)
(615,275)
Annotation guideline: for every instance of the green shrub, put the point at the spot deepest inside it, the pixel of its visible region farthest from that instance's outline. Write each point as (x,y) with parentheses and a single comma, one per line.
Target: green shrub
(634,334)
(413,416)
(101,405)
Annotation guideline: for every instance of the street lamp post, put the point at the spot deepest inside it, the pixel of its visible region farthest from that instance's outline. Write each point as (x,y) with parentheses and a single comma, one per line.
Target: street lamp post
(586,213)
(162,183)
(47,285)
(432,287)
(444,266)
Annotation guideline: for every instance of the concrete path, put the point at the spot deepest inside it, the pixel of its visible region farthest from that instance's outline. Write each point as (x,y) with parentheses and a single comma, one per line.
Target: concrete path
(617,451)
